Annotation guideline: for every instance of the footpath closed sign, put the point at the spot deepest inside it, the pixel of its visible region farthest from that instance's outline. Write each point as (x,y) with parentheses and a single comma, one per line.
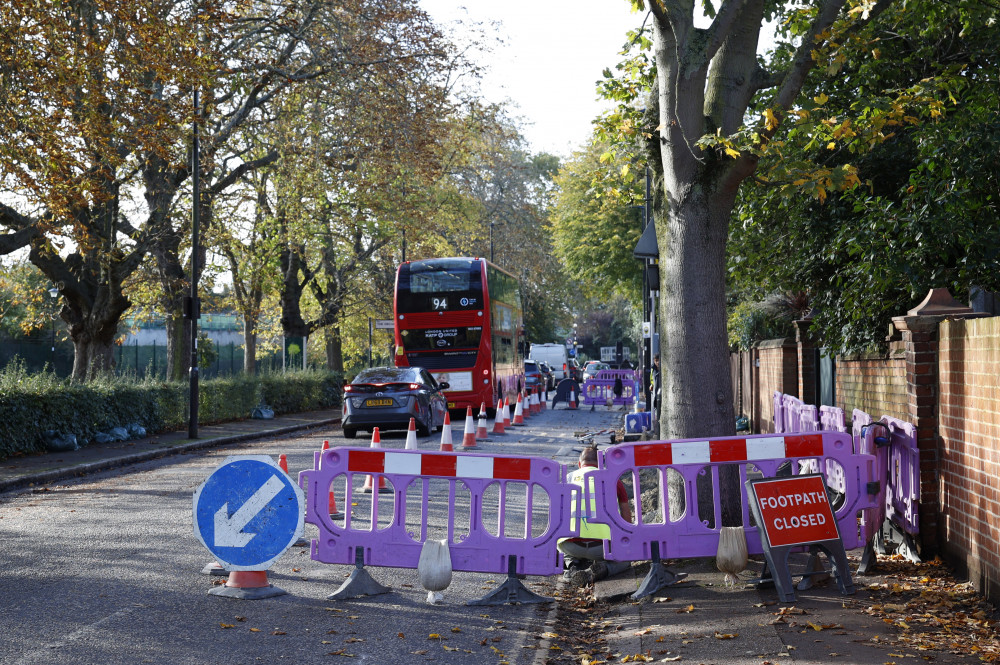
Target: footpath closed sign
(790,513)
(795,510)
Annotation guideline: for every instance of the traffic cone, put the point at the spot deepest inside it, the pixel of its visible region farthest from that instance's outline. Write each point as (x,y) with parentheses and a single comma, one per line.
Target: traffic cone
(498,422)
(334,513)
(369,481)
(545,398)
(247,585)
(506,411)
(283,462)
(525,405)
(518,412)
(481,425)
(446,445)
(411,435)
(535,406)
(469,439)
(572,398)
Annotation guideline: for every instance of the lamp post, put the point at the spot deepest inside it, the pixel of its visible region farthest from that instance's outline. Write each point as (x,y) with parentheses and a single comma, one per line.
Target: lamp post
(491,243)
(54,293)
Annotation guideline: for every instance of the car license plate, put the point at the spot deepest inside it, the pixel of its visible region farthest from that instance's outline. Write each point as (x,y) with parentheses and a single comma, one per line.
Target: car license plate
(379,402)
(451,405)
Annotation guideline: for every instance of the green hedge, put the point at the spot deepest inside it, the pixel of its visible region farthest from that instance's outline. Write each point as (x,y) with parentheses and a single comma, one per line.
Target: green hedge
(33,403)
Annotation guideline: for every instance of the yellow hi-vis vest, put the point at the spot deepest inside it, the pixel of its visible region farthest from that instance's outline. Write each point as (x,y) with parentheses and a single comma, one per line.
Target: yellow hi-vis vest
(588,527)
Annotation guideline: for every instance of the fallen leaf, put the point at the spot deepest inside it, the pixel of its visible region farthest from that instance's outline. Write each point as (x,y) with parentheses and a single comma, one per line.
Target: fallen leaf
(228,625)
(278,632)
(434,636)
(420,652)
(662,600)
(456,629)
(400,636)
(726,636)
(686,610)
(255,630)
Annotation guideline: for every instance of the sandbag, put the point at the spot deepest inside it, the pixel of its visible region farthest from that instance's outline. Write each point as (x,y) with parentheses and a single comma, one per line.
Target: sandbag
(732,556)
(434,565)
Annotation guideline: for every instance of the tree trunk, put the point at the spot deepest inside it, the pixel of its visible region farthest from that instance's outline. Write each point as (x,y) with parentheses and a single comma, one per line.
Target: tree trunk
(249,347)
(334,349)
(178,346)
(694,353)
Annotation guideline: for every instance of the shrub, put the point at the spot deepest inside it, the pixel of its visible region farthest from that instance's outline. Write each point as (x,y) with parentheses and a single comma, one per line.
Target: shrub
(34,403)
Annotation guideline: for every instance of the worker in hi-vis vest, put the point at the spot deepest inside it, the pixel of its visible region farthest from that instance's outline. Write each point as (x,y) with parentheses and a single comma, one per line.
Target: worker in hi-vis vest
(584,555)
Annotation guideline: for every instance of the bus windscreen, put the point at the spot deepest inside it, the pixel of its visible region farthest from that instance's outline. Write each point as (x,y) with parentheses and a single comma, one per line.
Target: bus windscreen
(439,286)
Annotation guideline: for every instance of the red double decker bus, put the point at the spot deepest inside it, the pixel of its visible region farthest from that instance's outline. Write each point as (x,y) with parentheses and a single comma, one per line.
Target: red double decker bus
(461,319)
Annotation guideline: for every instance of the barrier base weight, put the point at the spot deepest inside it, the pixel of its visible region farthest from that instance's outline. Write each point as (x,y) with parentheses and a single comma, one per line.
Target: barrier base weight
(215,570)
(360,583)
(511,591)
(658,577)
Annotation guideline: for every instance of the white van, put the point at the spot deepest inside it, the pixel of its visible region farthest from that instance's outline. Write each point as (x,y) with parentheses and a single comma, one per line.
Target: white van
(555,355)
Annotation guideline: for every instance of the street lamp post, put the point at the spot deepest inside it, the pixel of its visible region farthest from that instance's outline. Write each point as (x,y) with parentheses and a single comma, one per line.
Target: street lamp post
(54,293)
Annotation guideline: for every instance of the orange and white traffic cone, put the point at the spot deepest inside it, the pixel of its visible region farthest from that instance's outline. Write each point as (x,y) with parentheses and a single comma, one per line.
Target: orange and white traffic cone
(469,438)
(369,481)
(247,585)
(481,424)
(506,411)
(572,398)
(334,513)
(411,435)
(446,445)
(498,422)
(536,408)
(518,412)
(283,462)
(545,398)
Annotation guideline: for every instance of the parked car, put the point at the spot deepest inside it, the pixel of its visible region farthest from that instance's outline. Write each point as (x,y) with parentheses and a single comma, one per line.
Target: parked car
(532,374)
(555,355)
(575,372)
(547,374)
(592,368)
(387,397)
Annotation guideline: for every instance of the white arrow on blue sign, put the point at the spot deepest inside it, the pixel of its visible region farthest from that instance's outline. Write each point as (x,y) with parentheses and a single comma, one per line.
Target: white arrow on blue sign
(248,512)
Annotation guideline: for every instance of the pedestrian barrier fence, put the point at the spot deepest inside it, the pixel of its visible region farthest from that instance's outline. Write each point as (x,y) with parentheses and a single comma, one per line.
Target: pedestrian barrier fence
(600,388)
(831,419)
(463,495)
(894,444)
(711,475)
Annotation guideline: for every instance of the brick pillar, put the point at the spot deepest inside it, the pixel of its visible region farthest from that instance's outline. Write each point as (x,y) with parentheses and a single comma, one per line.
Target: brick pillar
(808,370)
(919,330)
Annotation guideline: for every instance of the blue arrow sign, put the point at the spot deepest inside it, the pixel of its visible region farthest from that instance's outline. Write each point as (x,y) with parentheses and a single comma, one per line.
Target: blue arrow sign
(248,512)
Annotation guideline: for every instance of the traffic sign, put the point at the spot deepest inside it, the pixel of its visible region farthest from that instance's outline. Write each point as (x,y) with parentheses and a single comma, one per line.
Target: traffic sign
(795,510)
(383,324)
(248,512)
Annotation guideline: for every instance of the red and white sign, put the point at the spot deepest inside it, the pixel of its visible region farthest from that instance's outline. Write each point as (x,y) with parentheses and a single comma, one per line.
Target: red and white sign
(795,510)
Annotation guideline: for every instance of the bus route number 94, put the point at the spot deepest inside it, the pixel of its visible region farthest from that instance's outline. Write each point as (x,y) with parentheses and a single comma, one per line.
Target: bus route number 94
(439,303)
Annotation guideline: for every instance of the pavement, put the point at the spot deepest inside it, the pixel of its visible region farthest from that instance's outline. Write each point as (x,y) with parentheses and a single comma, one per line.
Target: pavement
(699,620)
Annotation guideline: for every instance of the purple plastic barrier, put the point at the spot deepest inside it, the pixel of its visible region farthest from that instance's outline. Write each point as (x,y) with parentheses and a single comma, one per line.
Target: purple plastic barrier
(831,419)
(600,388)
(387,540)
(693,536)
(792,411)
(903,486)
(779,412)
(808,419)
(864,442)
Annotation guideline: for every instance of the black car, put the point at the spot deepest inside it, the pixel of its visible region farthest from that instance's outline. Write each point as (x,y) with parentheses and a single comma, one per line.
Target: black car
(532,375)
(387,397)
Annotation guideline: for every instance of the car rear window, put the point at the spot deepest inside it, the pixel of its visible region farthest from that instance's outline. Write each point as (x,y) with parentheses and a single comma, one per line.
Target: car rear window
(388,375)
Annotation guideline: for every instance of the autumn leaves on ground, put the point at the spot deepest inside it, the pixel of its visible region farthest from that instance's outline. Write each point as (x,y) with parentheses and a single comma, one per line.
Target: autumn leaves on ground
(928,615)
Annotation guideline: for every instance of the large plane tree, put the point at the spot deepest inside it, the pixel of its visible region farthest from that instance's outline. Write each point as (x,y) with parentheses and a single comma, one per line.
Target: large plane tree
(709,120)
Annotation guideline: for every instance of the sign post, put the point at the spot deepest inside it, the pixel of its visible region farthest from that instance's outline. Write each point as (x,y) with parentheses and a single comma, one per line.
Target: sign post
(247,513)
(794,512)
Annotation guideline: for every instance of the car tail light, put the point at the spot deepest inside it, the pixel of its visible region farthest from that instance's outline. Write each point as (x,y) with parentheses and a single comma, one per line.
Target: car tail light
(414,386)
(564,367)
(349,389)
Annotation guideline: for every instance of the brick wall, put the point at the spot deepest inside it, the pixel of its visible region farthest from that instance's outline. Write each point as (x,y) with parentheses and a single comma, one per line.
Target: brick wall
(874,384)
(778,370)
(969,448)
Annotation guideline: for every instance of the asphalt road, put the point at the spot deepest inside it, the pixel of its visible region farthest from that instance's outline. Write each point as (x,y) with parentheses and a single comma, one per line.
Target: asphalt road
(107,570)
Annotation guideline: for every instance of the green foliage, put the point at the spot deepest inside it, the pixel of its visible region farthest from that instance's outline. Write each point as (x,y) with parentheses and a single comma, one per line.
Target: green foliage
(926,215)
(596,225)
(751,322)
(207,353)
(33,403)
